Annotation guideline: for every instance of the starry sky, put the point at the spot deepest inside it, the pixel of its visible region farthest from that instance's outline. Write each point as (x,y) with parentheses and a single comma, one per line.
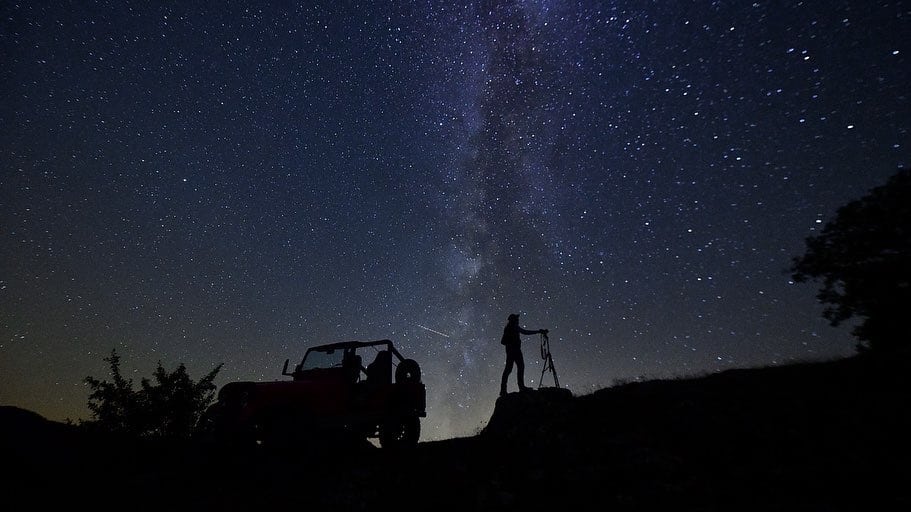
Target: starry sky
(235,183)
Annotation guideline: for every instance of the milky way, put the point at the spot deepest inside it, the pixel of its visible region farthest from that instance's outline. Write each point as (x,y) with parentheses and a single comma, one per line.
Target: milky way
(234,185)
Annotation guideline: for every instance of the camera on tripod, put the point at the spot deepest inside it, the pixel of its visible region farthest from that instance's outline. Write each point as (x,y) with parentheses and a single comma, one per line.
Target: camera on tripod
(548,359)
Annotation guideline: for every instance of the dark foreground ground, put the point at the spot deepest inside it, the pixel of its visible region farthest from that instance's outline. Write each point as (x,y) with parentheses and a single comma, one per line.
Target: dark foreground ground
(820,436)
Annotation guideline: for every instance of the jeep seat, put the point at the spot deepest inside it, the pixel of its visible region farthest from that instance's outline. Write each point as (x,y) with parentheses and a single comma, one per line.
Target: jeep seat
(380,370)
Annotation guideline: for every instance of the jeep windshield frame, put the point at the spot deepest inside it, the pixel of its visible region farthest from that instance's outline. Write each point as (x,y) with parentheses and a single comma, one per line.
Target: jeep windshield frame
(331,355)
(318,359)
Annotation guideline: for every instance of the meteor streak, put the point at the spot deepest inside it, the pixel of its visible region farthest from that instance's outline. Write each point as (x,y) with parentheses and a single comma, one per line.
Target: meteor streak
(435,332)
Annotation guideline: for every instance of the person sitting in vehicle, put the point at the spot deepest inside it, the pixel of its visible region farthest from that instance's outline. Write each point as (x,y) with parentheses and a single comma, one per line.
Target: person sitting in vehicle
(351,363)
(380,370)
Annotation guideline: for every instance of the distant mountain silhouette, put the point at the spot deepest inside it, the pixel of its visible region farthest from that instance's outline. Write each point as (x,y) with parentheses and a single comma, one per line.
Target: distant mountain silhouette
(812,436)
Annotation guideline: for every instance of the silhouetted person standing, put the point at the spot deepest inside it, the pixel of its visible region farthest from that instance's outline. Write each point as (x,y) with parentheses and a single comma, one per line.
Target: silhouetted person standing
(513,343)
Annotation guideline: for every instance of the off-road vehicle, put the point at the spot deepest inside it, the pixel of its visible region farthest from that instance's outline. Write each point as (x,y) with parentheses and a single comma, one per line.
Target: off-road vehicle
(330,392)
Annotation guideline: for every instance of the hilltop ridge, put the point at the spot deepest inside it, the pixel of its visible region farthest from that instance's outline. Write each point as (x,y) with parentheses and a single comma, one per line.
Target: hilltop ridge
(829,435)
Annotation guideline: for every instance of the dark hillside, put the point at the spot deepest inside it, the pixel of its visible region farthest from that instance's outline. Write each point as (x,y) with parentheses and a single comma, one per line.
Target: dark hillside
(808,436)
(816,436)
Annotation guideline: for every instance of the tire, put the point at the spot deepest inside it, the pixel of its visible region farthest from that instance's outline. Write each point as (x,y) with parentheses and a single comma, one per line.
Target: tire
(408,371)
(400,432)
(276,429)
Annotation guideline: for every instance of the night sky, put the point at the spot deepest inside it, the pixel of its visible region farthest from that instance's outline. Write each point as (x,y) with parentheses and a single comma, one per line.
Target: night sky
(237,183)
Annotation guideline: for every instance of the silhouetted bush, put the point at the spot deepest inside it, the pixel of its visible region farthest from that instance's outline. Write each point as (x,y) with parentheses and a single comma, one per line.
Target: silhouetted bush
(864,260)
(169,407)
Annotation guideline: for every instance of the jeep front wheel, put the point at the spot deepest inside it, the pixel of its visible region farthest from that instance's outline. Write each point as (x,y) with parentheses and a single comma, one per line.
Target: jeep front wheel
(400,432)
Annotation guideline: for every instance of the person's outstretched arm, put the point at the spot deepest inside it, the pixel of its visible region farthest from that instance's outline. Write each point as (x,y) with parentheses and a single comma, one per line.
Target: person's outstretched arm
(539,331)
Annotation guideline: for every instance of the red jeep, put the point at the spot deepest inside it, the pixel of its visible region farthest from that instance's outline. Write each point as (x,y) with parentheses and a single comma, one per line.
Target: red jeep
(330,391)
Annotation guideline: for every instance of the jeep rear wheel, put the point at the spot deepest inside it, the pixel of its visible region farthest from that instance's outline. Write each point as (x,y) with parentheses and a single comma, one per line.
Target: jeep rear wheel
(400,432)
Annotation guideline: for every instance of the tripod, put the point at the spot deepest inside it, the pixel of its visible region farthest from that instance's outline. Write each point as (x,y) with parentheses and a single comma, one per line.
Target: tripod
(548,361)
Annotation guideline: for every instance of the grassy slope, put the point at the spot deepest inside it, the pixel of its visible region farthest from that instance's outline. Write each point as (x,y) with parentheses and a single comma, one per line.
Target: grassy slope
(816,436)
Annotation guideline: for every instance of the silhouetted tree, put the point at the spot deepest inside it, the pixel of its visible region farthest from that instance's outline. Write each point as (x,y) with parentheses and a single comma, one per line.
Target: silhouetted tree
(863,258)
(115,406)
(168,407)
